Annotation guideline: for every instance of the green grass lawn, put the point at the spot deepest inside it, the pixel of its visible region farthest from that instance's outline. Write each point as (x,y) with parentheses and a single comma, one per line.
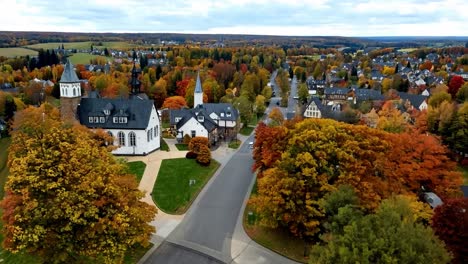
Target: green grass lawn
(16,52)
(83,45)
(137,168)
(85,58)
(278,240)
(4,144)
(234,144)
(181,146)
(164,145)
(246,130)
(171,192)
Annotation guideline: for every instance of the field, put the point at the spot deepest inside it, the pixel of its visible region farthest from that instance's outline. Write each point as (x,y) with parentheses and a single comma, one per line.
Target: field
(84,58)
(407,50)
(16,52)
(83,45)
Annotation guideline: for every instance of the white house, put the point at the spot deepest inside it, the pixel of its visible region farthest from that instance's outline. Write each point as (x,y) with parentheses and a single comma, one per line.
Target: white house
(414,100)
(212,120)
(314,108)
(133,123)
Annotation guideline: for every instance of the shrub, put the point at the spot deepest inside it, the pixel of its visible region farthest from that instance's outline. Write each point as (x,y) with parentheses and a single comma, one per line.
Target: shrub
(196,143)
(204,156)
(191,155)
(186,139)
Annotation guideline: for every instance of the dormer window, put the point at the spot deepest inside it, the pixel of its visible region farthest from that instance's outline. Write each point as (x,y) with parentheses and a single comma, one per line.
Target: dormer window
(115,120)
(222,114)
(228,114)
(102,120)
(96,119)
(90,119)
(122,120)
(107,112)
(177,119)
(200,118)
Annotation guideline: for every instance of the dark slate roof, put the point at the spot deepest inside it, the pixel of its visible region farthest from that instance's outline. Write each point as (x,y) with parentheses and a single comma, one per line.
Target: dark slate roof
(198,87)
(187,114)
(138,112)
(221,108)
(415,99)
(368,94)
(333,90)
(69,74)
(317,102)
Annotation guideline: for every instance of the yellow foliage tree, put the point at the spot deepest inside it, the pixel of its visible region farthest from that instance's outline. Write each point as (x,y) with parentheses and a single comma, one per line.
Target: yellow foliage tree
(67,198)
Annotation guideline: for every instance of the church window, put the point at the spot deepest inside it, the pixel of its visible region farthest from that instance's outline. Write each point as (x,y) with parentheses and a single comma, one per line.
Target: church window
(74,92)
(121,136)
(111,141)
(132,139)
(148,135)
(151,133)
(156,131)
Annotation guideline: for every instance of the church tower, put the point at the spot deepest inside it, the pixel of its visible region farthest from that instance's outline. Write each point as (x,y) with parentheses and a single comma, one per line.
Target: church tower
(70,93)
(134,82)
(198,94)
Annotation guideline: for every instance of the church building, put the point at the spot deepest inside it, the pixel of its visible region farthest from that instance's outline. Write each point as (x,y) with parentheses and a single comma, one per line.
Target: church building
(133,123)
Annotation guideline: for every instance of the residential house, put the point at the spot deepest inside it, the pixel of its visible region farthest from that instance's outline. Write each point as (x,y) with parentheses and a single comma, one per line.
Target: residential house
(211,120)
(314,108)
(414,101)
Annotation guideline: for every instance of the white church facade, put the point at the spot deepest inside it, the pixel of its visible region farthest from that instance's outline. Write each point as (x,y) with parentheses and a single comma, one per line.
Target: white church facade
(133,123)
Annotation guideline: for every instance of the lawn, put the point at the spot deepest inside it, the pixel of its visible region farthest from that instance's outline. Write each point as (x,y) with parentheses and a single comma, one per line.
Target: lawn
(137,168)
(234,144)
(4,144)
(182,147)
(83,45)
(164,145)
(16,52)
(172,192)
(278,240)
(246,130)
(85,58)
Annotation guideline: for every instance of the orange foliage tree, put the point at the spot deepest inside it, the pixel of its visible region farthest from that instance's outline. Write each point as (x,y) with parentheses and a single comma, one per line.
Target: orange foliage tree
(174,102)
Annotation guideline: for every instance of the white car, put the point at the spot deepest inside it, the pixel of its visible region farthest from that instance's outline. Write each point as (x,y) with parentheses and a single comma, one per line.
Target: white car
(251,144)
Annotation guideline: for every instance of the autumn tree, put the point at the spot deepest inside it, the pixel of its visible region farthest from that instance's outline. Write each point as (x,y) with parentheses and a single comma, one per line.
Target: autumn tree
(303,93)
(391,235)
(276,117)
(66,196)
(454,85)
(174,102)
(390,119)
(450,224)
(260,106)
(196,144)
(159,92)
(462,94)
(457,132)
(204,155)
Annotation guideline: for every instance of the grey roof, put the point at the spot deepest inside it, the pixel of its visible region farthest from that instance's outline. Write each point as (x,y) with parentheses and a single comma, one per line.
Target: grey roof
(334,90)
(221,110)
(432,199)
(198,87)
(415,99)
(69,74)
(368,94)
(137,110)
(317,102)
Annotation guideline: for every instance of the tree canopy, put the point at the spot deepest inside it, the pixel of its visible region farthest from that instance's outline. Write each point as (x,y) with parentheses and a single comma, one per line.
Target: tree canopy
(67,197)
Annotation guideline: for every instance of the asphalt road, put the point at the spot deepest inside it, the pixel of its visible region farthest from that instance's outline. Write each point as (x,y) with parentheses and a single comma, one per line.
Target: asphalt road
(288,112)
(204,236)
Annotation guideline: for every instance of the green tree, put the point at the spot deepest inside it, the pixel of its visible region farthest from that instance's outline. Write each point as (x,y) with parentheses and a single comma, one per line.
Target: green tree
(260,106)
(303,93)
(462,94)
(244,106)
(391,235)
(66,196)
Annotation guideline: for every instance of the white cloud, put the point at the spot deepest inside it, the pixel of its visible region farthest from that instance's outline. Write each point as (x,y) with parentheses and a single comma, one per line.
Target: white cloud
(273,17)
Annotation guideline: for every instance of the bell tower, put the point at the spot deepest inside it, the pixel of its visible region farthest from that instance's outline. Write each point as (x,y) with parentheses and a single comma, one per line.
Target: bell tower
(70,93)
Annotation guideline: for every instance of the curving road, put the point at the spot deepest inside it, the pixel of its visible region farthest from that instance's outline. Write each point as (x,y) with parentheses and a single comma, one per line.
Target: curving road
(204,236)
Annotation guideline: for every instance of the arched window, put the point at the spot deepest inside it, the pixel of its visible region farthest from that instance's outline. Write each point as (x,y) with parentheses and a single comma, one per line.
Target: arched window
(155,131)
(151,133)
(132,139)
(74,92)
(148,135)
(121,136)
(111,141)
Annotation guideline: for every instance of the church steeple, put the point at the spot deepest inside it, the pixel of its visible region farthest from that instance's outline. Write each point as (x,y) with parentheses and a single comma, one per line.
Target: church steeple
(70,93)
(198,94)
(134,82)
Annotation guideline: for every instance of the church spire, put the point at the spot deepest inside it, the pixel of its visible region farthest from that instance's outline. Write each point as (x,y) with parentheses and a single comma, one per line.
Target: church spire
(198,94)
(134,82)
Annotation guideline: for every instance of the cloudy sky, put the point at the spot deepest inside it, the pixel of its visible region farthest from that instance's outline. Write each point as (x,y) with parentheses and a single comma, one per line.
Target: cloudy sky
(265,17)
